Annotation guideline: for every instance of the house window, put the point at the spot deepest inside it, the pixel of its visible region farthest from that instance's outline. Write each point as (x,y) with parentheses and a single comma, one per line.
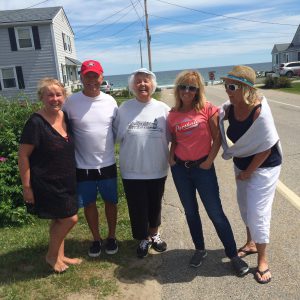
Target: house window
(298,55)
(276,59)
(8,78)
(24,37)
(67,42)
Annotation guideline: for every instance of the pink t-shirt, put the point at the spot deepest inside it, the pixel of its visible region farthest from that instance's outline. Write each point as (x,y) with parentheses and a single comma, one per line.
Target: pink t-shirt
(192,132)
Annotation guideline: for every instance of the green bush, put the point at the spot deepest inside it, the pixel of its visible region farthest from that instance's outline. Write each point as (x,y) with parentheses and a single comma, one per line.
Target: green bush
(284,82)
(13,115)
(124,93)
(277,82)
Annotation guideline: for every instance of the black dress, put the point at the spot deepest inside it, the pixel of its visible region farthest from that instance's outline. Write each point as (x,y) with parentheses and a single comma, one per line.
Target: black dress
(52,169)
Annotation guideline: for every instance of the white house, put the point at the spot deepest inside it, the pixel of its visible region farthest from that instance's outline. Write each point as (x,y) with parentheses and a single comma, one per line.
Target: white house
(36,43)
(283,53)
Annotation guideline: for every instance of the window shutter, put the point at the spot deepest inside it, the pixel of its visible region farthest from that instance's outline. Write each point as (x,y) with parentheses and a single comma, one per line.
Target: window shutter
(20,78)
(12,39)
(0,86)
(36,37)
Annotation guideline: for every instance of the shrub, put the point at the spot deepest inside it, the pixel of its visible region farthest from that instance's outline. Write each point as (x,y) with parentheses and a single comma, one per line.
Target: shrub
(13,115)
(277,82)
(284,82)
(269,82)
(124,93)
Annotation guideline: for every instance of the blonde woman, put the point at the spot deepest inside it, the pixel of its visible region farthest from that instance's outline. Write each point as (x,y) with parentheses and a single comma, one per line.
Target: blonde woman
(193,123)
(47,170)
(257,160)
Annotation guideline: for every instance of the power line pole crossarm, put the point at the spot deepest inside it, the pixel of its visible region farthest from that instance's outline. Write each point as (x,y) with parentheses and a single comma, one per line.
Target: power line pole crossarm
(148,36)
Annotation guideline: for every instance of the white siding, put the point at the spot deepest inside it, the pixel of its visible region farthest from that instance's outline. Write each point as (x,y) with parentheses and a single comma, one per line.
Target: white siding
(61,25)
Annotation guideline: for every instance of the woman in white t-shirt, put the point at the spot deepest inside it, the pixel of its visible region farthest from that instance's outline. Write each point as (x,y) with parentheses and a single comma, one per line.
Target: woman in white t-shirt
(140,128)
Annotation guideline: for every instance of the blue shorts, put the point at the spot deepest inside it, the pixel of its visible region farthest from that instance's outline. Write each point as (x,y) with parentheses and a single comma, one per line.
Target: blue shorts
(92,181)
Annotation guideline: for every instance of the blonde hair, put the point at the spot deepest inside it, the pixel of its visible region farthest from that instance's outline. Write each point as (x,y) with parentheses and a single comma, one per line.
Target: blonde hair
(44,83)
(190,78)
(249,94)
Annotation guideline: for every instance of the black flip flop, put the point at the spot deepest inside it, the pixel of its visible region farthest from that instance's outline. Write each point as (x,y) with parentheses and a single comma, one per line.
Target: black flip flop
(246,252)
(261,273)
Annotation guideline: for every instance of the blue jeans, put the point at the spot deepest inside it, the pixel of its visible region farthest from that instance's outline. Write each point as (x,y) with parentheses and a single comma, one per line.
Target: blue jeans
(187,181)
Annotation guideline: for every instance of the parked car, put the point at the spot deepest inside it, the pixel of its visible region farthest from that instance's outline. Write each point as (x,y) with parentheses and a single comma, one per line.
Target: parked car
(106,87)
(290,69)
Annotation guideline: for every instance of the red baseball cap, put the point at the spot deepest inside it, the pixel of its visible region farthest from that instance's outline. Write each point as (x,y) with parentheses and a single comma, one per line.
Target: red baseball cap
(91,66)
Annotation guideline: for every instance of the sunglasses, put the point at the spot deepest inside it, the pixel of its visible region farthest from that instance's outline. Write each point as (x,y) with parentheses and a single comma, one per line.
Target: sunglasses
(189,88)
(232,87)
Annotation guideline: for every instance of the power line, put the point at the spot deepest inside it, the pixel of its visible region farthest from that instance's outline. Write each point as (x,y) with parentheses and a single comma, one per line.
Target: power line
(213,26)
(137,13)
(102,28)
(224,16)
(36,4)
(101,21)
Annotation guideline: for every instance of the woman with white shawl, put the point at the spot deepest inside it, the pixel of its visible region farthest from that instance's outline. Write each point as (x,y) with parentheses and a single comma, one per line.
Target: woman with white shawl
(257,158)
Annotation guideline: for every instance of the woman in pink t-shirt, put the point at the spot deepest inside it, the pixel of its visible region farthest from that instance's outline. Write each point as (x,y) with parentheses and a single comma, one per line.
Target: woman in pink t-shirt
(193,123)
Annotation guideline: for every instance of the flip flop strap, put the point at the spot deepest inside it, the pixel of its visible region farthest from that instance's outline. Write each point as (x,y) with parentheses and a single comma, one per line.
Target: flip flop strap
(261,273)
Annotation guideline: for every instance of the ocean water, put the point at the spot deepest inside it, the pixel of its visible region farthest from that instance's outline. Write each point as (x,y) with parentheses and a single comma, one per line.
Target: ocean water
(166,78)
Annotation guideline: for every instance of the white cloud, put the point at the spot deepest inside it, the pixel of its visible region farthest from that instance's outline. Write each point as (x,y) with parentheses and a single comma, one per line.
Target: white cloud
(207,41)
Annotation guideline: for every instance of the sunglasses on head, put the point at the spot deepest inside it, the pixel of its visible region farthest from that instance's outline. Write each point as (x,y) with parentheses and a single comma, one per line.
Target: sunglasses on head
(189,88)
(232,87)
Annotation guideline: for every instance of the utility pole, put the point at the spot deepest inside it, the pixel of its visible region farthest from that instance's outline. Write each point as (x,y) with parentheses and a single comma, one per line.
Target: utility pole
(148,36)
(141,53)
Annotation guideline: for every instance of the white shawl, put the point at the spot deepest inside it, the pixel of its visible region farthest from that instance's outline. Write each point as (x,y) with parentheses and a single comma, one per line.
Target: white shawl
(261,136)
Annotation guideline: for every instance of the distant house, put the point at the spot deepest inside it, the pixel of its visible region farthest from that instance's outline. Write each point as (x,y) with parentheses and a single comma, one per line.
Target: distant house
(36,43)
(283,53)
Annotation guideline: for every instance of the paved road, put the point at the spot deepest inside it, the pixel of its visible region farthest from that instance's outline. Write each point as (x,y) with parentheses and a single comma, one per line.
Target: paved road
(215,278)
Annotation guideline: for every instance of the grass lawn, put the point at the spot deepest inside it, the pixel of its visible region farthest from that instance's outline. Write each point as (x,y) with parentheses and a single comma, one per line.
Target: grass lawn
(24,273)
(295,89)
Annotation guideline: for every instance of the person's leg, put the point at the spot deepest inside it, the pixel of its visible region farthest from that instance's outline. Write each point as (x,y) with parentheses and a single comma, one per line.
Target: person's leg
(59,228)
(263,273)
(261,191)
(187,195)
(249,247)
(156,189)
(137,202)
(111,212)
(92,218)
(61,251)
(87,194)
(241,194)
(208,189)
(108,190)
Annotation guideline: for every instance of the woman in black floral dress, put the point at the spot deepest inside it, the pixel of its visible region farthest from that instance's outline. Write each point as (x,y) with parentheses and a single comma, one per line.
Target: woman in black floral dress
(47,170)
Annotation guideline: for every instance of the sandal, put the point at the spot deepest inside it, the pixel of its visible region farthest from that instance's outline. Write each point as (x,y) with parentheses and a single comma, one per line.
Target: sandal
(242,252)
(261,273)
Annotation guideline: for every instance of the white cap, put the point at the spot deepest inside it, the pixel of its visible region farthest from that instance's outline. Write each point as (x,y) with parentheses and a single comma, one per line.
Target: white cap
(144,70)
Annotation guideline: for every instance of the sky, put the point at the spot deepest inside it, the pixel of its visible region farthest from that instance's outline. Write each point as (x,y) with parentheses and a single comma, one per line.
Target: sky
(184,33)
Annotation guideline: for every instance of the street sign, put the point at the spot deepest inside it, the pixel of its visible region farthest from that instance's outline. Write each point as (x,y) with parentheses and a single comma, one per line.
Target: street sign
(211,75)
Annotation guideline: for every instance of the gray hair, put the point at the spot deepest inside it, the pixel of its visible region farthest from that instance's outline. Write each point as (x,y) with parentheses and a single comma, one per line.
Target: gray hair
(131,80)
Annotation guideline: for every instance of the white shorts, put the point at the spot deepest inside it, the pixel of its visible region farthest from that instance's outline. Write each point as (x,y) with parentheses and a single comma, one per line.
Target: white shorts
(255,198)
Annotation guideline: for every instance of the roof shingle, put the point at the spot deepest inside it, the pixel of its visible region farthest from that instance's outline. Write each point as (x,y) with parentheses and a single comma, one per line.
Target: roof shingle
(28,15)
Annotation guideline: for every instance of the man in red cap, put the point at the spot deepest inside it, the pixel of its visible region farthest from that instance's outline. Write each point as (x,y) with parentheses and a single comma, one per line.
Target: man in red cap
(91,113)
